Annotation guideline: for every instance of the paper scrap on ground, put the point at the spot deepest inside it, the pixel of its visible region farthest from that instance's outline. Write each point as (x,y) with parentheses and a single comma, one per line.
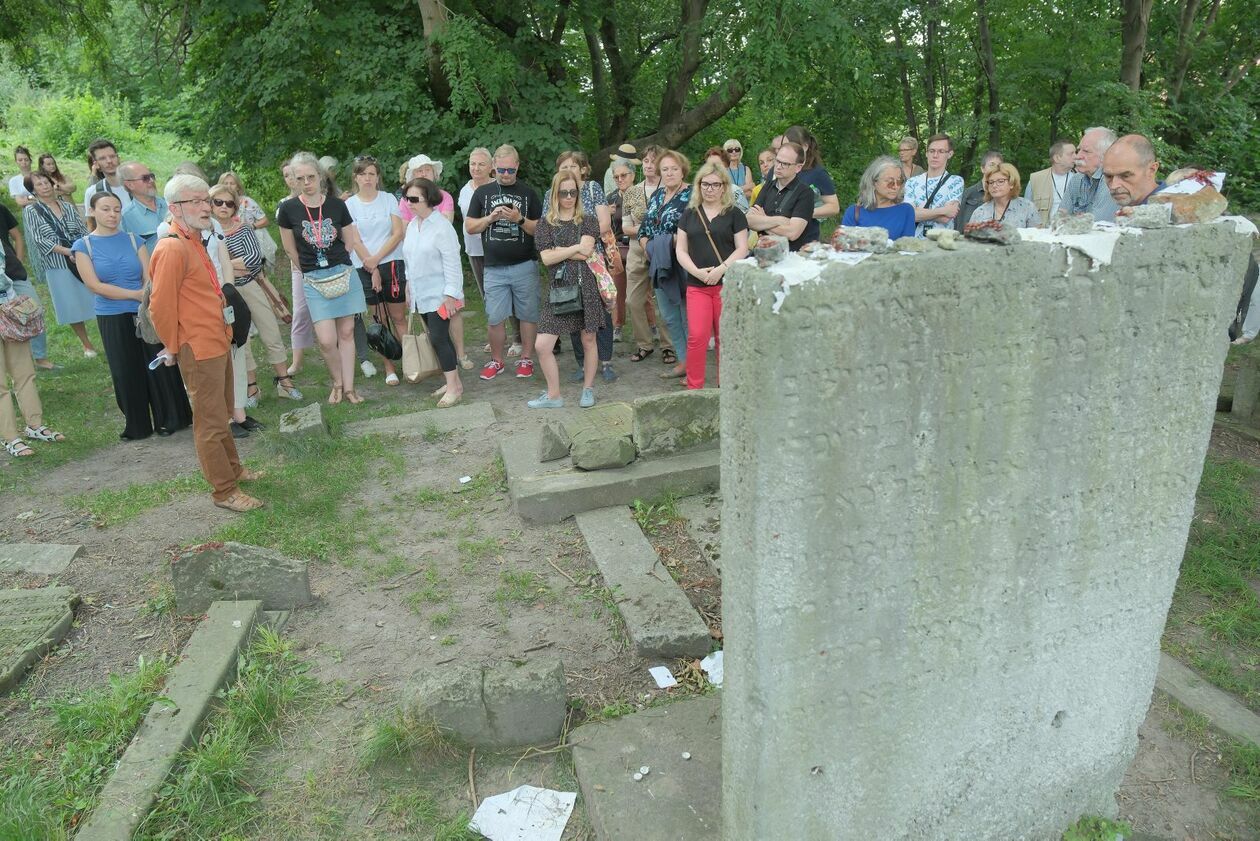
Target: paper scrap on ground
(663,676)
(464,480)
(527,813)
(849,258)
(712,666)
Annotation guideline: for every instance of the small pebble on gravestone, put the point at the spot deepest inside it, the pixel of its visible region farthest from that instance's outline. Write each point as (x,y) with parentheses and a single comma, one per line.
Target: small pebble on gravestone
(637,776)
(686,755)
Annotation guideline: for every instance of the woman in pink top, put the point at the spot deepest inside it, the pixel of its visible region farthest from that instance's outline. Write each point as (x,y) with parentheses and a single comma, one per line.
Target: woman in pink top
(422,166)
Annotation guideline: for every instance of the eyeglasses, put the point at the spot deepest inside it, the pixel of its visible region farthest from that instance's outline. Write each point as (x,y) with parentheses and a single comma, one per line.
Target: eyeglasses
(996,182)
(710,185)
(192,201)
(147,179)
(305,179)
(733,149)
(224,203)
(891,182)
(567,194)
(505,170)
(415,199)
(779,162)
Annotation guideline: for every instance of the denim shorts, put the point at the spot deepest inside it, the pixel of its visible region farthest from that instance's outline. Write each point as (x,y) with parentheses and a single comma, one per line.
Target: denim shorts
(512,290)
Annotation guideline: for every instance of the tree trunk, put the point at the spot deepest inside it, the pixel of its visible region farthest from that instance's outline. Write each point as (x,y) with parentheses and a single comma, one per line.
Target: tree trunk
(1137,17)
(907,93)
(929,63)
(433,19)
(599,83)
(1060,103)
(690,26)
(990,74)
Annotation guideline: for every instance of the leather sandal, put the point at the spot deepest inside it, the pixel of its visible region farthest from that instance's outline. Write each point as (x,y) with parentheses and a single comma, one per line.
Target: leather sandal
(641,354)
(668,357)
(353,398)
(240,502)
(334,397)
(248,475)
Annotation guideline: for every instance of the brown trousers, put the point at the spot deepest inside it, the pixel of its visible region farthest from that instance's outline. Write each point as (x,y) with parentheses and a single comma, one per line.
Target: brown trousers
(639,299)
(209,385)
(16,362)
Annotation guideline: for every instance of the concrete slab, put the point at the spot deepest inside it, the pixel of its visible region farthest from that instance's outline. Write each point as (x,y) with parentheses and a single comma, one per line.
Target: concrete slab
(465,416)
(1188,689)
(31,622)
(703,514)
(38,558)
(660,619)
(679,798)
(207,663)
(549,492)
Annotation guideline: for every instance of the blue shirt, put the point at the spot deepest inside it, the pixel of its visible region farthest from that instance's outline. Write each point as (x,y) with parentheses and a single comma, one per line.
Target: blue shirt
(139,220)
(898,220)
(116,263)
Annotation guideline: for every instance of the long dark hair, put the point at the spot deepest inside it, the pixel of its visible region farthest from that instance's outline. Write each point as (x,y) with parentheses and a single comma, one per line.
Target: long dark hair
(56,173)
(802,135)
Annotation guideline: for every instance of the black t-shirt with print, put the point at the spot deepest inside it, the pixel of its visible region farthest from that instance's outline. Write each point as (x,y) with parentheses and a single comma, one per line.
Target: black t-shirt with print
(331,218)
(506,243)
(12,265)
(795,202)
(722,228)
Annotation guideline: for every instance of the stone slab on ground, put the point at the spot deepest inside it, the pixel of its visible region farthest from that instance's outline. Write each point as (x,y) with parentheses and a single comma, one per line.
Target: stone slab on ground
(308,420)
(679,798)
(462,417)
(38,558)
(675,421)
(237,571)
(547,493)
(1190,690)
(501,706)
(173,722)
(31,623)
(659,618)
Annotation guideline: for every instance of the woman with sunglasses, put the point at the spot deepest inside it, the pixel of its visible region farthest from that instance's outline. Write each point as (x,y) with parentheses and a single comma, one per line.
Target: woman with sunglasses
(565,238)
(880,203)
(741,174)
(712,236)
(377,216)
(115,268)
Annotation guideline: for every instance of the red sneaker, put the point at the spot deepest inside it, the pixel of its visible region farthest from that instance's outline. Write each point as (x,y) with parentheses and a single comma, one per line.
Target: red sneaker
(493,368)
(525,368)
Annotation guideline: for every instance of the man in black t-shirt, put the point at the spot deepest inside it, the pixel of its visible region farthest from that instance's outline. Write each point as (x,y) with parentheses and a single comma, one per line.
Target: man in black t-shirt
(785,205)
(504,214)
(14,253)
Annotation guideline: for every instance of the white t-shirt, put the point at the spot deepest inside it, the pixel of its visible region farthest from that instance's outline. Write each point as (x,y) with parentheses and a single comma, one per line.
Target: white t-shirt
(120,191)
(374,220)
(16,188)
(472,242)
(215,245)
(1058,186)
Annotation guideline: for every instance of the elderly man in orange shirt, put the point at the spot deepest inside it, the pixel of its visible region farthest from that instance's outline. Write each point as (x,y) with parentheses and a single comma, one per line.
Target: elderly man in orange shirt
(194,323)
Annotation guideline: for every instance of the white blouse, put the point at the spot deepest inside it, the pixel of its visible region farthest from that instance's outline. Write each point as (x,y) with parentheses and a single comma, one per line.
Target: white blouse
(431,255)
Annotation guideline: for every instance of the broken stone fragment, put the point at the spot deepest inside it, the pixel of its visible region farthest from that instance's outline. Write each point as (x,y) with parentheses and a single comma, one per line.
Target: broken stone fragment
(770,249)
(853,238)
(910,244)
(553,443)
(600,449)
(1080,223)
(991,231)
(304,421)
(1203,206)
(946,238)
(1146,216)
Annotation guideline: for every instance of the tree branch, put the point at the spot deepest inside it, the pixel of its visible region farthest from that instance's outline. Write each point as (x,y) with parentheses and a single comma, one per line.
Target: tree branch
(674,100)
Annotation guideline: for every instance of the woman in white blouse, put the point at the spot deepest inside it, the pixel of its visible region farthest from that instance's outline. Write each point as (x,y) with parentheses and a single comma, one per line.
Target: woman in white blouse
(435,280)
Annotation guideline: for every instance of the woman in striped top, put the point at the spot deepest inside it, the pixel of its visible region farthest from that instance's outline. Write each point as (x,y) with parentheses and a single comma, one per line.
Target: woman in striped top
(55,224)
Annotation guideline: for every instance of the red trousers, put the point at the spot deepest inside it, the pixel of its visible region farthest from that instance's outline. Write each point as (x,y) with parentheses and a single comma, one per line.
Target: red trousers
(704,311)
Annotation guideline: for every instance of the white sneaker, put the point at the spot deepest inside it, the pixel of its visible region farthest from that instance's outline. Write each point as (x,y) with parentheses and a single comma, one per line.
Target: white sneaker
(515,349)
(368,369)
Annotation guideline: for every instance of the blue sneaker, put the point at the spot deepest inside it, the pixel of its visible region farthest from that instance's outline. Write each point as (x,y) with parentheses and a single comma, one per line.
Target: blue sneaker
(609,373)
(588,398)
(542,401)
(577,376)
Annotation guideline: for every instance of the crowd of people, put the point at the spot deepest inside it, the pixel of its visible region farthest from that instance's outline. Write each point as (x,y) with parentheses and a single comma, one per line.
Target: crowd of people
(179,280)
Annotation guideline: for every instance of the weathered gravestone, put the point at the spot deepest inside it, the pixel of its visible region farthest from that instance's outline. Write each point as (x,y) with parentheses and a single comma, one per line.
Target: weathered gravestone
(957,491)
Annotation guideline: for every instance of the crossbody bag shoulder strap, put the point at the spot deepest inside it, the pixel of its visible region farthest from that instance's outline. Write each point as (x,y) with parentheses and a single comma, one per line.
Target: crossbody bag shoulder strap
(704,223)
(937,189)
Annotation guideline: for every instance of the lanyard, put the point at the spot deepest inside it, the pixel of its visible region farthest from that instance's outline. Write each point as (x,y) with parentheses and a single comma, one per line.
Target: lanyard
(186,235)
(317,226)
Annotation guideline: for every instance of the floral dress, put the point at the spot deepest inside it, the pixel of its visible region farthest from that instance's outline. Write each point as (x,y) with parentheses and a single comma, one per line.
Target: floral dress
(662,217)
(565,235)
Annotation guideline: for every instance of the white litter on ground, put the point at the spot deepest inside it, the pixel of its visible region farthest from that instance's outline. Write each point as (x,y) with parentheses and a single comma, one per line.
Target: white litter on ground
(663,676)
(464,480)
(712,666)
(526,813)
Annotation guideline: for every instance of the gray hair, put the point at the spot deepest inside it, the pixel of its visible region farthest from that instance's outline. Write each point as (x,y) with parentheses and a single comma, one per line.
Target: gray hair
(308,159)
(866,186)
(127,171)
(482,150)
(1106,137)
(623,163)
(182,183)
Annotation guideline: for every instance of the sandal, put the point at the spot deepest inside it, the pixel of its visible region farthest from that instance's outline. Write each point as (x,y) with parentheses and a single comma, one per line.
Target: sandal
(240,502)
(641,354)
(449,400)
(353,398)
(43,433)
(252,395)
(248,475)
(334,397)
(287,392)
(668,357)
(18,448)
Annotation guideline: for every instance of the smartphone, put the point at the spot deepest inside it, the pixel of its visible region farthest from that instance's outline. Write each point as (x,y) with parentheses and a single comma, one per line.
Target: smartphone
(446,314)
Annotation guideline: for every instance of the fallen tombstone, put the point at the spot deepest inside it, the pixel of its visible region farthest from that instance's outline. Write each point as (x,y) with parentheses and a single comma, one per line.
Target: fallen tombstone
(31,623)
(497,706)
(38,558)
(308,420)
(553,442)
(597,449)
(669,423)
(238,572)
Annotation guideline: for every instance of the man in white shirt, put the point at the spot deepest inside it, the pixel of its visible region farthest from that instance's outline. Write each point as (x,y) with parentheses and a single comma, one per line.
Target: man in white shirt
(935,194)
(1048,187)
(105,161)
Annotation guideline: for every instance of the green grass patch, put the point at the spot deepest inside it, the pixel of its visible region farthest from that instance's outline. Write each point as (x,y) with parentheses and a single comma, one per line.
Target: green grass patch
(1094,828)
(1243,761)
(1215,595)
(45,791)
(476,550)
(654,516)
(520,587)
(399,734)
(209,794)
(111,507)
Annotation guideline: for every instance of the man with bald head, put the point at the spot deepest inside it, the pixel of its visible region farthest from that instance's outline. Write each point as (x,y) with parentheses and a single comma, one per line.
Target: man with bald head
(1129,169)
(1088,193)
(147,209)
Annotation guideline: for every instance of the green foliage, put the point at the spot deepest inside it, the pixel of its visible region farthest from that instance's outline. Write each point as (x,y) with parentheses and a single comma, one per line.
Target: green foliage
(67,125)
(652,517)
(1093,828)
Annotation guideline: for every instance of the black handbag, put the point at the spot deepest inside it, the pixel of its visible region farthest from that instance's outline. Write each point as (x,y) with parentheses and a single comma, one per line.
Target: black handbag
(564,300)
(240,326)
(381,338)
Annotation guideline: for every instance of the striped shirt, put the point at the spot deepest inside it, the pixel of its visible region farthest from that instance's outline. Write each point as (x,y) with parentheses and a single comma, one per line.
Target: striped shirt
(47,231)
(243,244)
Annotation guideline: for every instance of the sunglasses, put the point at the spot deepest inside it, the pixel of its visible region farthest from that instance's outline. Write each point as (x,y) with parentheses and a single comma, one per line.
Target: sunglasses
(567,194)
(364,159)
(147,179)
(505,170)
(224,203)
(734,149)
(415,199)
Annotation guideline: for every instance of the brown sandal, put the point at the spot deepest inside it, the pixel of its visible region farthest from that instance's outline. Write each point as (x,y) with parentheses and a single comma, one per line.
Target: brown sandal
(353,398)
(334,397)
(239,502)
(248,475)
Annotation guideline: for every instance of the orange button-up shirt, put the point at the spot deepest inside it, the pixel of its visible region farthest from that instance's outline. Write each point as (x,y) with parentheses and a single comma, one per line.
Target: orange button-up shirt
(186,305)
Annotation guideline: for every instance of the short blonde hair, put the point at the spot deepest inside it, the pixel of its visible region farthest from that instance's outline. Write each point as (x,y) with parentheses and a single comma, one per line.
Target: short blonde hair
(507,150)
(556,181)
(220,189)
(1012,175)
(728,194)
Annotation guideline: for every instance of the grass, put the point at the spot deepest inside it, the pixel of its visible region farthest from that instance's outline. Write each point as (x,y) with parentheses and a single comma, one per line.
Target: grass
(45,790)
(113,507)
(1215,616)
(476,550)
(1241,761)
(160,604)
(1093,828)
(652,517)
(209,794)
(523,587)
(400,734)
